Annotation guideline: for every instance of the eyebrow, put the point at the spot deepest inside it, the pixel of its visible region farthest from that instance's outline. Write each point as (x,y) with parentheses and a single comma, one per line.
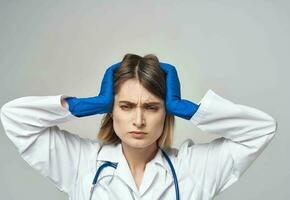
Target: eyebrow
(149,103)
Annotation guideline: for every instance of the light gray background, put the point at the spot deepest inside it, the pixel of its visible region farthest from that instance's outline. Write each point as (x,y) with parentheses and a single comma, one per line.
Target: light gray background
(239,49)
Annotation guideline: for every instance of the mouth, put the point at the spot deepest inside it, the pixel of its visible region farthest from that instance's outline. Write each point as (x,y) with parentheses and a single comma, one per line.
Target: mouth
(137,134)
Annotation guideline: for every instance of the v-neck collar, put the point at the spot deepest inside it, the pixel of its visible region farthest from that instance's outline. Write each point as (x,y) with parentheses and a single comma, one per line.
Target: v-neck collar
(114,153)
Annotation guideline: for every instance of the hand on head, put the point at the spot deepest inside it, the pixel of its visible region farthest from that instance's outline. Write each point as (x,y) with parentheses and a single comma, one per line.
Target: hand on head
(103,103)
(174,104)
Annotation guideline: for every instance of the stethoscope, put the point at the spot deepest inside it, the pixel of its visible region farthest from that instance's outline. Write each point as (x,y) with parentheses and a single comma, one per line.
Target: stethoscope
(114,165)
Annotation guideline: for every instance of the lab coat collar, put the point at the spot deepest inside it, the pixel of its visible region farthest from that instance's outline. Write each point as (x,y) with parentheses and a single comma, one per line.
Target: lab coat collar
(114,153)
(110,152)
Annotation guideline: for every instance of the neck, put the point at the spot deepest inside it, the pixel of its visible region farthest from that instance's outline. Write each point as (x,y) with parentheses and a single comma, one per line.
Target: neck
(137,158)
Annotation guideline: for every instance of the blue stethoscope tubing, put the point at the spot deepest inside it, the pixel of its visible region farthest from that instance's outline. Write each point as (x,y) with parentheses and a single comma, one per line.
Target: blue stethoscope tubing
(114,165)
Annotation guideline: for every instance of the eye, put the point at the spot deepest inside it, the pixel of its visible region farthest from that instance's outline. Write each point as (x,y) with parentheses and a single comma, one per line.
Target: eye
(152,108)
(124,107)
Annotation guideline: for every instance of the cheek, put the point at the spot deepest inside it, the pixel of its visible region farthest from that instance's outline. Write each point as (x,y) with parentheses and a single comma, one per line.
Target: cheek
(121,117)
(120,123)
(157,124)
(117,122)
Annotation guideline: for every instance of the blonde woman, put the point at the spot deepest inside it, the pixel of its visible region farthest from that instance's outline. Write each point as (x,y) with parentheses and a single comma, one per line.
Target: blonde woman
(133,157)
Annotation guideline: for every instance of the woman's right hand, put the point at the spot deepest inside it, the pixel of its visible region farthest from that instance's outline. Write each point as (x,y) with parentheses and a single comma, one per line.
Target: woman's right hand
(103,103)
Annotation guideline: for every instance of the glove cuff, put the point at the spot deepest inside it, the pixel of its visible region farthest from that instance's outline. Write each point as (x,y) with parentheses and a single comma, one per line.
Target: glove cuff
(187,108)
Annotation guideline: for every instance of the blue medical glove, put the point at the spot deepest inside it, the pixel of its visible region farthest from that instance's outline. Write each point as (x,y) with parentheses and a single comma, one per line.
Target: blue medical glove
(174,104)
(103,103)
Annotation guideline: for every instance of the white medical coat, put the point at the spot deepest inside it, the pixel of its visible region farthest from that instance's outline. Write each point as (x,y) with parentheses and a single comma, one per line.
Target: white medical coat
(203,170)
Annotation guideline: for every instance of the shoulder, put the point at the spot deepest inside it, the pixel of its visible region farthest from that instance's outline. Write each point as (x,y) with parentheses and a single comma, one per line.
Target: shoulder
(89,149)
(179,154)
(191,154)
(182,149)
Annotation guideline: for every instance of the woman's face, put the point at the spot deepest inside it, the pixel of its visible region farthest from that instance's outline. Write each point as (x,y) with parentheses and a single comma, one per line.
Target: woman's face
(136,109)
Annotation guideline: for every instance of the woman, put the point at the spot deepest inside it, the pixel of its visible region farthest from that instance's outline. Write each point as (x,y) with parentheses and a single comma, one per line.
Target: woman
(139,94)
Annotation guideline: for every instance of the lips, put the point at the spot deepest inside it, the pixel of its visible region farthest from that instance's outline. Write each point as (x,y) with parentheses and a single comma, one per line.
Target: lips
(138,132)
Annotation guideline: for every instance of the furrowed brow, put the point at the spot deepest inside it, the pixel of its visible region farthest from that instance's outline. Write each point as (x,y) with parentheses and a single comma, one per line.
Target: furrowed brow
(149,103)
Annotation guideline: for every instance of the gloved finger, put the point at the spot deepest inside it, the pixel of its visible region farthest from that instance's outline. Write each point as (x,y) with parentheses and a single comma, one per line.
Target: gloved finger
(165,67)
(172,81)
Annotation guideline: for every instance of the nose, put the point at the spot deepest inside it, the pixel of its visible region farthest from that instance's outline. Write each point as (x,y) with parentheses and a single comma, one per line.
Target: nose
(139,120)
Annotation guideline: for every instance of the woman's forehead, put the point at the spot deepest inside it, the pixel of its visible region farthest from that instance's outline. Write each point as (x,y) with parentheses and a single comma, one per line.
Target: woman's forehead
(131,90)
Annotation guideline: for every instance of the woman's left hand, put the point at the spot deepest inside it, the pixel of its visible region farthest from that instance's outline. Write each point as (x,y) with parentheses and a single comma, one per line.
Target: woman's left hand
(174,104)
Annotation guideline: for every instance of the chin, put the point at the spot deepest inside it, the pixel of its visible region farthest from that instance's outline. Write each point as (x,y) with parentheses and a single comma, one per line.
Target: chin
(137,143)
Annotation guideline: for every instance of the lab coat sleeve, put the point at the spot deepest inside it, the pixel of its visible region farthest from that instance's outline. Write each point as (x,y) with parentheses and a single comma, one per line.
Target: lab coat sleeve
(31,124)
(245,132)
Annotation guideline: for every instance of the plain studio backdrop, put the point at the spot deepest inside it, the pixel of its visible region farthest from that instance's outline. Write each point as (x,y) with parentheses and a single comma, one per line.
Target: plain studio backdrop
(239,49)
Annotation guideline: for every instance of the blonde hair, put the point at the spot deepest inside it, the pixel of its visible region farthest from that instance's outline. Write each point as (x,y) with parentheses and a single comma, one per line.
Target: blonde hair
(148,72)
